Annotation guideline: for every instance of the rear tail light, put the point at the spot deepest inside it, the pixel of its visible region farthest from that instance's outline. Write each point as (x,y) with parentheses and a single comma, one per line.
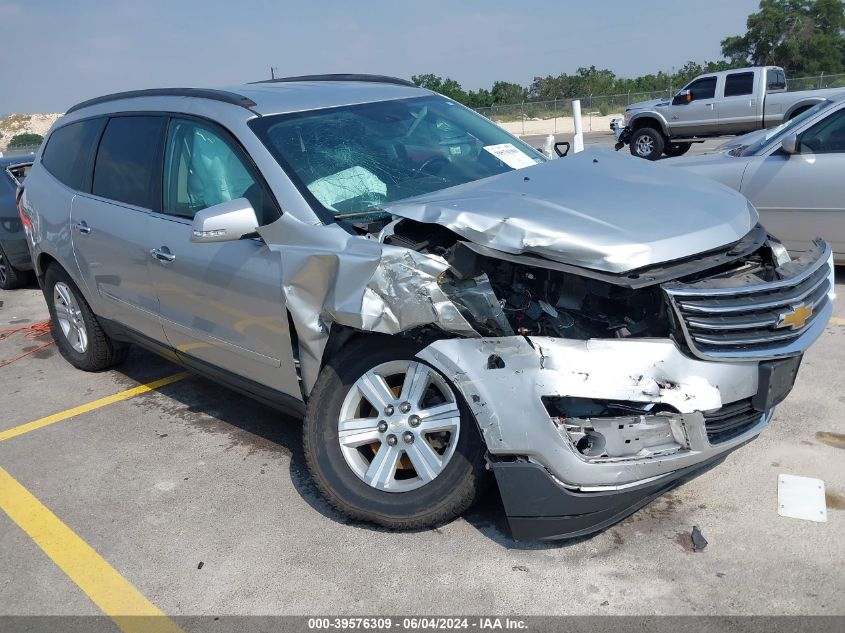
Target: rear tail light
(27,223)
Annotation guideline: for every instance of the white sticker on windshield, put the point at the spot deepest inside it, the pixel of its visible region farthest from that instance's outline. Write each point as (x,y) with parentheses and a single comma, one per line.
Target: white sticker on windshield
(510,155)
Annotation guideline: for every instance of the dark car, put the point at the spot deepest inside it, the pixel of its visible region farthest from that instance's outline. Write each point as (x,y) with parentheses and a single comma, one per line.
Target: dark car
(15,262)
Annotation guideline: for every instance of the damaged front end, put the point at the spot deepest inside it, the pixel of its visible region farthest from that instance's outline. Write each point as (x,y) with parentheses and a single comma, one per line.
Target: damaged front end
(594,391)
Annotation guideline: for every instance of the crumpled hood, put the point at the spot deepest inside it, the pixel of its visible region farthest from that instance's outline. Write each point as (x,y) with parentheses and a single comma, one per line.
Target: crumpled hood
(596,209)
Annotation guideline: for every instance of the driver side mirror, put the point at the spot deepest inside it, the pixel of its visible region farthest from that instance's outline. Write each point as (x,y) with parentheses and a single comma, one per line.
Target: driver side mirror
(224,222)
(682,98)
(790,144)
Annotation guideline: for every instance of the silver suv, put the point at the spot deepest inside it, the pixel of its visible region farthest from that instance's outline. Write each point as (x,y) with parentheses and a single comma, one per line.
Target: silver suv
(434,296)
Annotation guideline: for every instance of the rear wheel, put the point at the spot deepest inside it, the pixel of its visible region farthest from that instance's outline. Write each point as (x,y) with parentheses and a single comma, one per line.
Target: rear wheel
(78,334)
(676,149)
(389,440)
(11,277)
(798,111)
(647,143)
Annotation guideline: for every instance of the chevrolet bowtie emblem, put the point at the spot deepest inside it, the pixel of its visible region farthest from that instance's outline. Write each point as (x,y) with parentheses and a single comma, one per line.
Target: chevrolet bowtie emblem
(795,318)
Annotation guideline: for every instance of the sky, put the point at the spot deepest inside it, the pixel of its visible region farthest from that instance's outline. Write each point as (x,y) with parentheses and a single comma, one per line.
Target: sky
(57,53)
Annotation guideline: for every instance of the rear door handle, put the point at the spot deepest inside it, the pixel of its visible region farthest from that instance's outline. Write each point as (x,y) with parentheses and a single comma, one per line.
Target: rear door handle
(162,255)
(82,227)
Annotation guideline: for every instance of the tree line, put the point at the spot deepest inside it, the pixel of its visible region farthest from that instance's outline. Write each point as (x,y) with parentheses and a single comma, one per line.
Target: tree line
(805,37)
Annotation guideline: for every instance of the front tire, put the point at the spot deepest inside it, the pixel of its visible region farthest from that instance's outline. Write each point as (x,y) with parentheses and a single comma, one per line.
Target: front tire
(74,327)
(676,149)
(389,440)
(647,143)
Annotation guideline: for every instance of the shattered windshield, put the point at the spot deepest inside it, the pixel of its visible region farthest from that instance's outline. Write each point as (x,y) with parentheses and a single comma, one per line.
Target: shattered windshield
(355,159)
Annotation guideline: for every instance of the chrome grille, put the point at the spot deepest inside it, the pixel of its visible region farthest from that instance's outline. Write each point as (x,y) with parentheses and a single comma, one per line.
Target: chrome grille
(756,320)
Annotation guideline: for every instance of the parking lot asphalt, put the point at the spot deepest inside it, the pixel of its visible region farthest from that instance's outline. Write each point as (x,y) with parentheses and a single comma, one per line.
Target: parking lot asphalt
(198,499)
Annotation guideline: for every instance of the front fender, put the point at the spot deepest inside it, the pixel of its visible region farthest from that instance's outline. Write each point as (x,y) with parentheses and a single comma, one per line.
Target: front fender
(651,115)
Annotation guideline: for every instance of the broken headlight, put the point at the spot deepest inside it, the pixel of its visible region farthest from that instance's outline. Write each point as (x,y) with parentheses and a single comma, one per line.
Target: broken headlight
(607,431)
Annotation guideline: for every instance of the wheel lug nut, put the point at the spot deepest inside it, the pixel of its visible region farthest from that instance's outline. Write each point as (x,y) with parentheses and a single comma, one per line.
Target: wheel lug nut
(391,440)
(388,410)
(408,437)
(405,407)
(414,420)
(382,426)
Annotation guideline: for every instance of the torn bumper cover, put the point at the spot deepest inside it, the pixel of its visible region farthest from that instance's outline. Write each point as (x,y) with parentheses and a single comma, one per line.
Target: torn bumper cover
(685,416)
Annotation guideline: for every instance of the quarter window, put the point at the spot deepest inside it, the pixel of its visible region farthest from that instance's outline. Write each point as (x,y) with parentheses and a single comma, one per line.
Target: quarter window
(127,159)
(703,88)
(202,169)
(738,84)
(68,152)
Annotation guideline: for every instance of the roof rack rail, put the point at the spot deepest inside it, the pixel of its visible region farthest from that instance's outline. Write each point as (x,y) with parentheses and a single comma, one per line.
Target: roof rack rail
(376,79)
(200,93)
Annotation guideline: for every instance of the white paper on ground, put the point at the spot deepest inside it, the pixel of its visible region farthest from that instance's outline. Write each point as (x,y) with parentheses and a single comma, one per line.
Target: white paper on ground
(510,155)
(801,498)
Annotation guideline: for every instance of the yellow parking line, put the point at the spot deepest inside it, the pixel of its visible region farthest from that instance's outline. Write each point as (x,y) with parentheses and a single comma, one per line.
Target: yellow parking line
(96,404)
(110,591)
(837,320)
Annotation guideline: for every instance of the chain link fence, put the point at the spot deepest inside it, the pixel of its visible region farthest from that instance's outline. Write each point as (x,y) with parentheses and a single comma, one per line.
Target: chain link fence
(815,83)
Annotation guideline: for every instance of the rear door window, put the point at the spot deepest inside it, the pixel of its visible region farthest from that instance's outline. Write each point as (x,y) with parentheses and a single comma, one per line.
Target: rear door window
(68,152)
(738,84)
(127,165)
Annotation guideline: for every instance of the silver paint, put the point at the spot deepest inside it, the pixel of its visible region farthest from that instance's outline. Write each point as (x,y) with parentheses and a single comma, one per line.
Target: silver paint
(595,209)
(330,276)
(507,401)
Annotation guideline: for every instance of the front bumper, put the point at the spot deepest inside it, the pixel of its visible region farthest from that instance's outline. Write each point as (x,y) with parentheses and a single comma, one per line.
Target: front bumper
(622,133)
(540,508)
(509,399)
(551,489)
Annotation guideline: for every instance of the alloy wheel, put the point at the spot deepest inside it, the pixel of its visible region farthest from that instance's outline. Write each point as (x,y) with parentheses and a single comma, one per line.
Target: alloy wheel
(399,425)
(645,145)
(69,317)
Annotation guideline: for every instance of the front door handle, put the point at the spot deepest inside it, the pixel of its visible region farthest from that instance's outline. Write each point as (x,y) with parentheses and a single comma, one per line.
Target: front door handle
(164,256)
(82,227)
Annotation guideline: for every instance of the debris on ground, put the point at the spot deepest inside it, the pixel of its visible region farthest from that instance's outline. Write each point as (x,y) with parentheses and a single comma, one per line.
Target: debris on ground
(698,540)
